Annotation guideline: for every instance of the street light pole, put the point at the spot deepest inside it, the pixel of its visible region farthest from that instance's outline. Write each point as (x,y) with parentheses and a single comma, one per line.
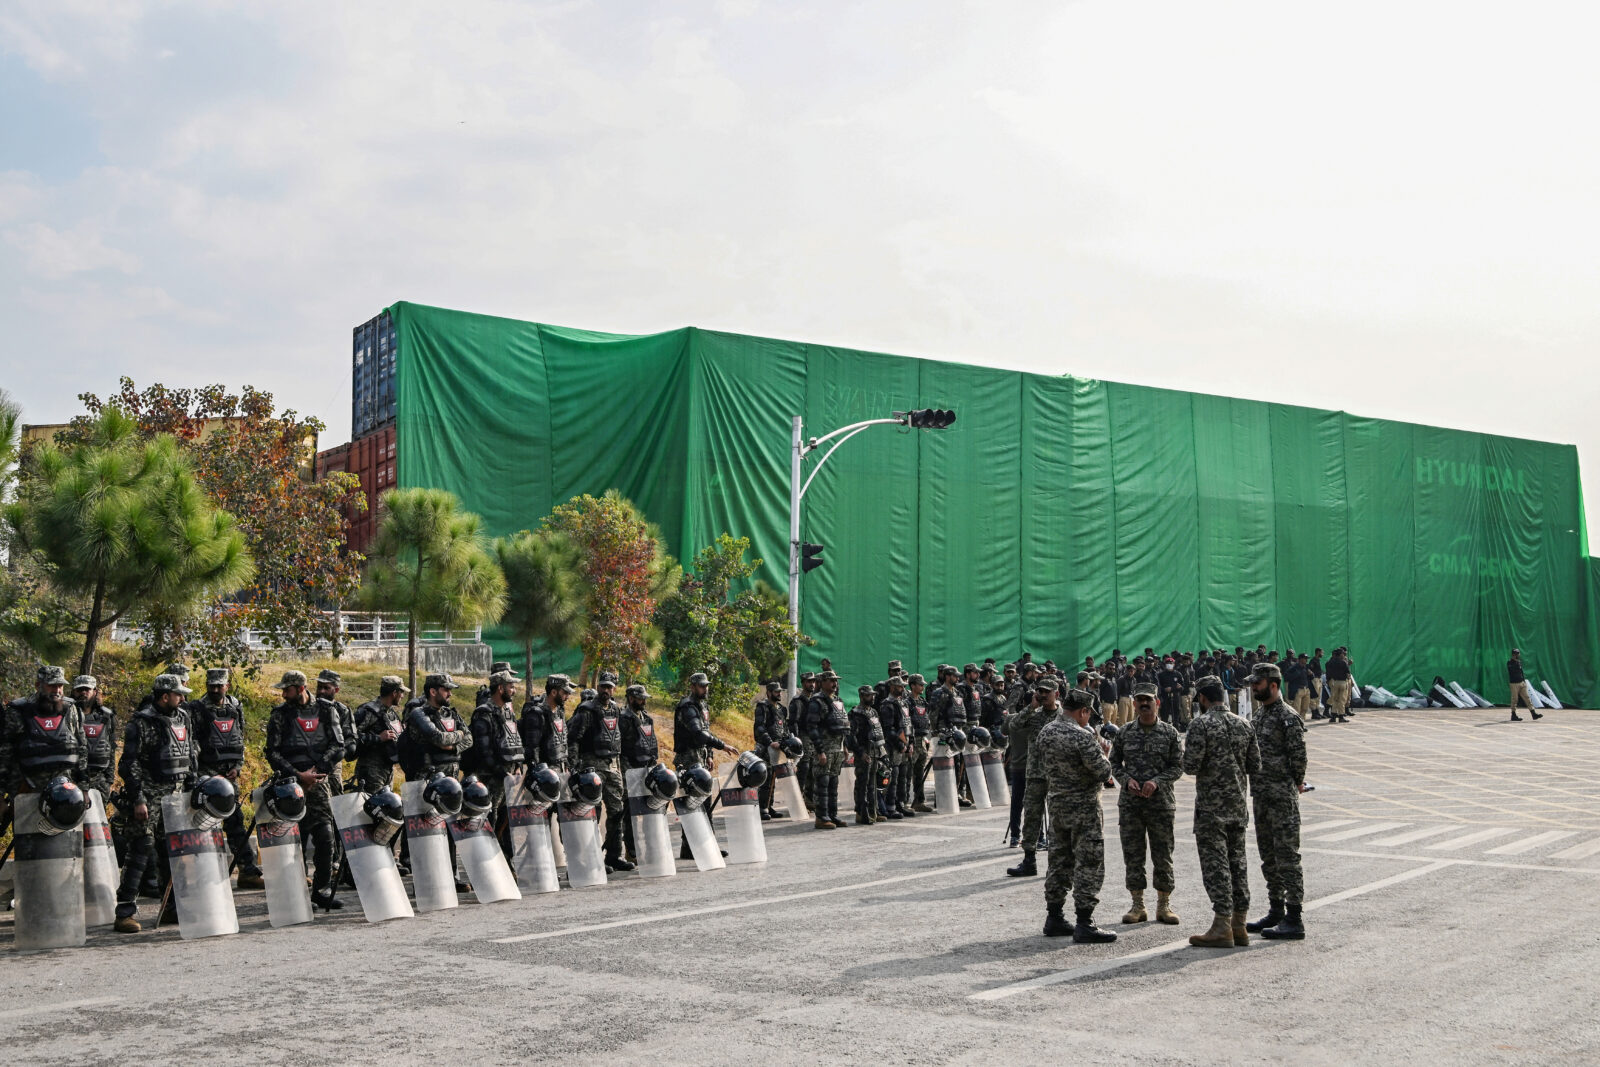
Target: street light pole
(799,449)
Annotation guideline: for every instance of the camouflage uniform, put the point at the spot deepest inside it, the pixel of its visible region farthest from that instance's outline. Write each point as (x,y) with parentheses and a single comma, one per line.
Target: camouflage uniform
(159,758)
(100,760)
(29,758)
(308,737)
(595,732)
(867,744)
(219,734)
(1027,777)
(1275,798)
(1144,754)
(1221,753)
(826,725)
(375,757)
(1068,758)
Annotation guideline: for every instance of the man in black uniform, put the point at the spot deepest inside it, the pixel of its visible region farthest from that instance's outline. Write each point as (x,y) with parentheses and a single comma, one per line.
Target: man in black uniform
(866,744)
(914,797)
(219,733)
(771,730)
(596,731)
(1169,683)
(894,716)
(544,723)
(328,683)
(797,714)
(497,748)
(641,749)
(159,758)
(305,740)
(692,740)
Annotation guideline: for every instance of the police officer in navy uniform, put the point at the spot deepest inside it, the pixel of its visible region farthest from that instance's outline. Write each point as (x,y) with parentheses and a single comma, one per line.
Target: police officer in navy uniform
(219,733)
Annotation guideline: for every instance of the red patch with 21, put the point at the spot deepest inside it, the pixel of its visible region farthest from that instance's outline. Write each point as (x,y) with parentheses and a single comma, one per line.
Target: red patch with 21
(48,723)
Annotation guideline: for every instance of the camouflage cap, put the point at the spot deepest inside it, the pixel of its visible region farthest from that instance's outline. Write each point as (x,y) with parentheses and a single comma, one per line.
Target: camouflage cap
(1046,686)
(775,684)
(864,690)
(588,694)
(291,678)
(502,678)
(637,690)
(169,683)
(699,678)
(1144,689)
(916,679)
(179,669)
(808,676)
(330,677)
(439,681)
(1030,666)
(1208,679)
(896,680)
(1268,672)
(500,665)
(216,676)
(559,681)
(827,676)
(969,668)
(1077,698)
(48,675)
(606,678)
(894,665)
(391,683)
(86,681)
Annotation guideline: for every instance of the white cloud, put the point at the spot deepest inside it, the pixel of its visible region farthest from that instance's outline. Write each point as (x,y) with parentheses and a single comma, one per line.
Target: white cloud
(53,255)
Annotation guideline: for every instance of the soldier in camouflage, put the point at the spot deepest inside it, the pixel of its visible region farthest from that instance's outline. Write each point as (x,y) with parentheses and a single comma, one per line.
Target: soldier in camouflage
(693,743)
(305,741)
(1146,759)
(867,745)
(1028,788)
(1067,754)
(42,736)
(895,717)
(378,729)
(1275,798)
(798,704)
(919,746)
(544,723)
(219,733)
(771,728)
(1220,752)
(596,731)
(159,758)
(826,724)
(100,734)
(497,748)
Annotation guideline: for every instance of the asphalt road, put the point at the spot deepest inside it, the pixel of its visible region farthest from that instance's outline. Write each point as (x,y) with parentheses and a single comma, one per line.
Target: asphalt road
(1452,871)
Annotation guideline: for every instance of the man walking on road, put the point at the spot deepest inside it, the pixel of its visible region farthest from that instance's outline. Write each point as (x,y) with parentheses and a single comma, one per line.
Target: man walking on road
(1519,686)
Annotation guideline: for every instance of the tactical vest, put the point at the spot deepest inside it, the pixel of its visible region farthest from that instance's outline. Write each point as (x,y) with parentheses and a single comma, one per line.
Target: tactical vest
(367,744)
(837,720)
(222,741)
(603,738)
(48,739)
(643,748)
(305,738)
(97,725)
(555,735)
(921,725)
(508,739)
(444,719)
(168,759)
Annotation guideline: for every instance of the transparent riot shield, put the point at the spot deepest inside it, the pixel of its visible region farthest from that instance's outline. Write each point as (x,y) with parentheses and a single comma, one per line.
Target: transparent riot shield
(480,853)
(48,869)
(945,800)
(741,818)
(378,884)
(652,843)
(433,877)
(199,862)
(283,867)
(99,865)
(532,854)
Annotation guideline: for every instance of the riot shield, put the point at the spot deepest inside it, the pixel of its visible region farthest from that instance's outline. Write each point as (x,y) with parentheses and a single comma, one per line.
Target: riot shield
(697,830)
(99,865)
(378,884)
(652,844)
(847,788)
(994,776)
(945,800)
(973,759)
(580,835)
(433,878)
(199,861)
(480,853)
(532,857)
(741,818)
(49,881)
(283,867)
(785,785)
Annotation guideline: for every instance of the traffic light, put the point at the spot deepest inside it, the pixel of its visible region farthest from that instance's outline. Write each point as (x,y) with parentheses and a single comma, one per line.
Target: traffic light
(930,418)
(810,556)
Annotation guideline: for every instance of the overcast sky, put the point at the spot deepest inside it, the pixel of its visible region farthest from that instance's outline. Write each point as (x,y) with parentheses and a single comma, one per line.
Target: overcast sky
(1389,208)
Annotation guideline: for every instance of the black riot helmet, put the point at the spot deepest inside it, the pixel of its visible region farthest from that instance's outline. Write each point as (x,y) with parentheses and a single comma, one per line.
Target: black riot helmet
(979,736)
(475,798)
(62,805)
(955,740)
(284,800)
(752,771)
(586,787)
(697,783)
(443,794)
(213,800)
(388,814)
(543,784)
(661,783)
(1109,731)
(793,747)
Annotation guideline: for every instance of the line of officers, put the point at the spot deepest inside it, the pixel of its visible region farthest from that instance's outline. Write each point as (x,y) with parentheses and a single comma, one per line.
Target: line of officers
(1059,763)
(175,739)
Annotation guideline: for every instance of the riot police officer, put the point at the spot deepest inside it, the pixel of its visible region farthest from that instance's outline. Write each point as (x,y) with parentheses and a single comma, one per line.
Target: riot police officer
(544,723)
(771,730)
(826,725)
(219,734)
(867,745)
(328,683)
(641,748)
(159,758)
(596,730)
(692,740)
(895,718)
(99,734)
(919,748)
(378,727)
(497,747)
(42,736)
(797,713)
(305,741)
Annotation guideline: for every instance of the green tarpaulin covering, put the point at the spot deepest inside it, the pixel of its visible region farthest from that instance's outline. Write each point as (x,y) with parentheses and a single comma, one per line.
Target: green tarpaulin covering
(1059,515)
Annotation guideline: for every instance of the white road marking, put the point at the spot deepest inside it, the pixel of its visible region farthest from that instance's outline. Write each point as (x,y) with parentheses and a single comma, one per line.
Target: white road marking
(1363,831)
(1504,865)
(1410,836)
(1472,838)
(42,1007)
(1101,966)
(1517,848)
(1579,852)
(667,916)
(1318,827)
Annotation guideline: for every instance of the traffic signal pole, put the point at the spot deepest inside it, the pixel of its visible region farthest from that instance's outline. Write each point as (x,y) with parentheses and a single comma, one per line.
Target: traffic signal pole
(799,449)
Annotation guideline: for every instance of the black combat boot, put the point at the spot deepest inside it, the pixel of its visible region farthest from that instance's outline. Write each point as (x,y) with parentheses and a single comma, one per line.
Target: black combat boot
(1514,716)
(1026,868)
(1290,929)
(833,803)
(1272,918)
(1055,923)
(1087,933)
(1535,714)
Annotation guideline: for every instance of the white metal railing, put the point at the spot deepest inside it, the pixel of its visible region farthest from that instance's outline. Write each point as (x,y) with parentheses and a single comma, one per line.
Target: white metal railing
(357,629)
